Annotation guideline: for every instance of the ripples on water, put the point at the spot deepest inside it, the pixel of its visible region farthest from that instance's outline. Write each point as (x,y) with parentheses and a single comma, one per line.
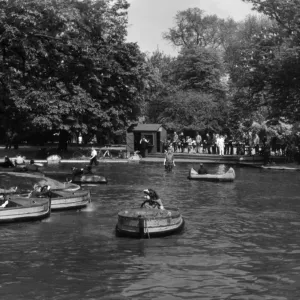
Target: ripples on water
(241,241)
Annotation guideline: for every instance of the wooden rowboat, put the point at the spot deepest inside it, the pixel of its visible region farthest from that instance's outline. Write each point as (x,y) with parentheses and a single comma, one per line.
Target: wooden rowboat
(228,176)
(89,179)
(282,168)
(26,181)
(23,209)
(62,200)
(149,222)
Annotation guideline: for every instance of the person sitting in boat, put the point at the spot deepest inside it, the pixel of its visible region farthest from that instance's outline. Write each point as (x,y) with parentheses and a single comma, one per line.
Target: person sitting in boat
(82,171)
(169,161)
(152,200)
(40,191)
(7,163)
(19,160)
(32,167)
(202,170)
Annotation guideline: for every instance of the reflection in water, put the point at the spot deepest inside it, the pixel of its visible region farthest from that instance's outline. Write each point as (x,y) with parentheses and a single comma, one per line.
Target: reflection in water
(241,241)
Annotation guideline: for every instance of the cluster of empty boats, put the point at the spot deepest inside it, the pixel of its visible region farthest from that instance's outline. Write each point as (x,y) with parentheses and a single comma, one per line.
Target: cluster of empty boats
(36,196)
(28,201)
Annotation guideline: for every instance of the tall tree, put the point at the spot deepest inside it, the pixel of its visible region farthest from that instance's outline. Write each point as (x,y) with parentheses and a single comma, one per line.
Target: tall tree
(194,28)
(65,65)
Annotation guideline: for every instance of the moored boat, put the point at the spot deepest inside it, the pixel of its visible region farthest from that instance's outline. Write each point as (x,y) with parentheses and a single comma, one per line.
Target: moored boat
(61,200)
(149,222)
(26,181)
(89,179)
(282,168)
(226,177)
(19,209)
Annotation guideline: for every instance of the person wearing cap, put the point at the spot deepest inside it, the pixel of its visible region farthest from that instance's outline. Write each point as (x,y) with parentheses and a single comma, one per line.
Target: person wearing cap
(202,170)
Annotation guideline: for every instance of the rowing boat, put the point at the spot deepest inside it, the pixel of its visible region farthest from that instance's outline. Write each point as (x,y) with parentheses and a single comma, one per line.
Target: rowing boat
(149,222)
(23,209)
(62,200)
(282,168)
(89,179)
(26,181)
(228,176)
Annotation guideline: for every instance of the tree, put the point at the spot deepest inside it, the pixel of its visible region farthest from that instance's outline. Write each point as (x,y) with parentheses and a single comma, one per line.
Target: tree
(193,28)
(65,65)
(279,47)
(191,110)
(200,69)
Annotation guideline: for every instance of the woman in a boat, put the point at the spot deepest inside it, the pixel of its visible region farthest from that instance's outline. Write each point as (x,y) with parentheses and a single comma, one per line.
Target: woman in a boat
(152,200)
(7,163)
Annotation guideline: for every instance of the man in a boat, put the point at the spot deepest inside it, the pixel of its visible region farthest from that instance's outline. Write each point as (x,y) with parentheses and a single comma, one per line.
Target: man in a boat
(82,171)
(152,200)
(202,170)
(7,163)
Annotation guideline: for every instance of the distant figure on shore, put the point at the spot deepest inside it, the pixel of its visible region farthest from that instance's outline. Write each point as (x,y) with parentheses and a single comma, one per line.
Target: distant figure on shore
(93,158)
(202,170)
(144,145)
(19,160)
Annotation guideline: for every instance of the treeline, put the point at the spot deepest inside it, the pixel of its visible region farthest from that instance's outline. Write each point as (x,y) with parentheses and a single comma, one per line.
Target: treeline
(66,66)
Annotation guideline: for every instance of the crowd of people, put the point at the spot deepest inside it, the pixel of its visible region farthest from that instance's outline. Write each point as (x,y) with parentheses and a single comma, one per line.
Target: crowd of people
(225,144)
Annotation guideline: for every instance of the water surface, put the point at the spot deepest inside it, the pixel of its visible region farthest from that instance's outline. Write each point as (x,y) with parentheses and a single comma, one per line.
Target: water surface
(241,241)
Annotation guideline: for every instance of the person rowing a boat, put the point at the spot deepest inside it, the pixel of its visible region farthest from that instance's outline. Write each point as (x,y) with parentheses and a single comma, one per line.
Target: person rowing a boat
(152,200)
(202,170)
(82,171)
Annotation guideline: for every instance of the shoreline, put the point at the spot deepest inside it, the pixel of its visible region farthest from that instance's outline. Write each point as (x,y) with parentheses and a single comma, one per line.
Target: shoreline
(254,161)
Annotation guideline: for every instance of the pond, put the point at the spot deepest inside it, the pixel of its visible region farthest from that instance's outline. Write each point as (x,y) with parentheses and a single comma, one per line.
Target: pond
(241,240)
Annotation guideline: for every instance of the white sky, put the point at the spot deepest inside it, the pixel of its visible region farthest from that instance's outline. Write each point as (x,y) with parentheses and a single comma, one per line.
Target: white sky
(148,19)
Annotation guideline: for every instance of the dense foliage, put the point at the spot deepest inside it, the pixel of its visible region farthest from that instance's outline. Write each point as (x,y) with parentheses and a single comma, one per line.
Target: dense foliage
(65,65)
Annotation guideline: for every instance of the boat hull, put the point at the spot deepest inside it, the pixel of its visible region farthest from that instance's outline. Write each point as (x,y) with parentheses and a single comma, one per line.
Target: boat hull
(148,223)
(89,179)
(229,176)
(27,210)
(26,181)
(62,200)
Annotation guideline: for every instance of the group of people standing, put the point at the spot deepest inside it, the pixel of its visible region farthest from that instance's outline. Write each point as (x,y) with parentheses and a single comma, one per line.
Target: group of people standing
(211,144)
(222,144)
